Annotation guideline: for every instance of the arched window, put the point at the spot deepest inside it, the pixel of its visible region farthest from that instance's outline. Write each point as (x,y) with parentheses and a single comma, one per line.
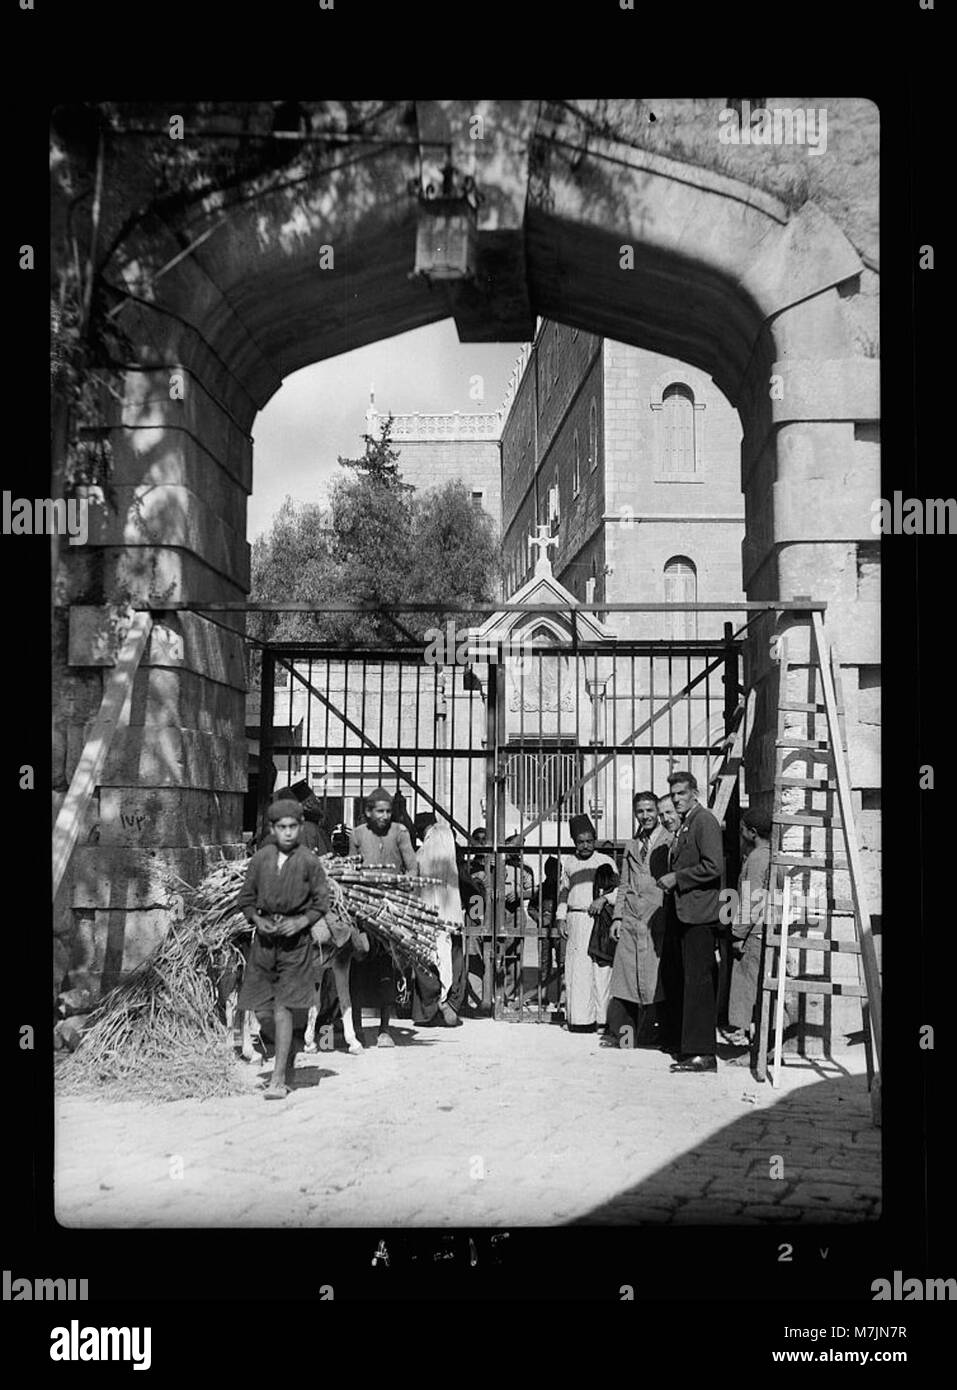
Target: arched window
(593,434)
(577,467)
(678,429)
(681,586)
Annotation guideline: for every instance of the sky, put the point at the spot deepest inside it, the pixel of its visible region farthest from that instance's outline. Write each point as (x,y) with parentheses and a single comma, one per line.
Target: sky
(319,412)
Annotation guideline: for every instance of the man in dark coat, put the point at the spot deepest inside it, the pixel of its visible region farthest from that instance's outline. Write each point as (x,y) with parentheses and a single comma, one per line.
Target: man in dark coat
(692,886)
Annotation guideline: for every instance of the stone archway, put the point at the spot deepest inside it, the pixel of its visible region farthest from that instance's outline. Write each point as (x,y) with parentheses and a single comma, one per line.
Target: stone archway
(229,298)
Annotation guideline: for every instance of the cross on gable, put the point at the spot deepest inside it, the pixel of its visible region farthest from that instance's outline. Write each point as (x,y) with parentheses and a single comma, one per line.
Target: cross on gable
(543,540)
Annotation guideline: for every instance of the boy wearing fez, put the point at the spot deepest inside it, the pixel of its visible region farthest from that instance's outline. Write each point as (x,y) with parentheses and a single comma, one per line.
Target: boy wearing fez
(285,897)
(383,842)
(587,982)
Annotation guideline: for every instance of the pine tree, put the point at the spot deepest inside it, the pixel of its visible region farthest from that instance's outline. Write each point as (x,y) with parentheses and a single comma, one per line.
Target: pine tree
(379,463)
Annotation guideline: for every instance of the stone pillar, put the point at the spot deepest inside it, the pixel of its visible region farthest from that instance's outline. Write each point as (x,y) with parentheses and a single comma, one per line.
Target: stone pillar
(811,470)
(171,794)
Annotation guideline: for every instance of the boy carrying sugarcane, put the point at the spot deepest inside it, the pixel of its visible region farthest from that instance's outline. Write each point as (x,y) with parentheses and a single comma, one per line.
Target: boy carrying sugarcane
(386,844)
(285,897)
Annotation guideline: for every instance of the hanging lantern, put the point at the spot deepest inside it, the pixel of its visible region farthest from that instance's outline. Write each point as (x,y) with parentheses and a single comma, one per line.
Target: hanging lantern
(446,235)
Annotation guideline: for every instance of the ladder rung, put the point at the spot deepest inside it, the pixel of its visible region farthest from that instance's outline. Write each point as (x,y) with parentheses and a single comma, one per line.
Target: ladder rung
(810,818)
(799,707)
(820,784)
(815,987)
(800,861)
(814,943)
(820,745)
(817,923)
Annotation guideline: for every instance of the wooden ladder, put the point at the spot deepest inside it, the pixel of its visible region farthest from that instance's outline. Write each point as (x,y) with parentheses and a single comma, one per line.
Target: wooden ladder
(829,846)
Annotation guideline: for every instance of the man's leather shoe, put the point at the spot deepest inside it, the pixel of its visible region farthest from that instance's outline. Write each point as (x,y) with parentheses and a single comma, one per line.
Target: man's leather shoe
(695,1063)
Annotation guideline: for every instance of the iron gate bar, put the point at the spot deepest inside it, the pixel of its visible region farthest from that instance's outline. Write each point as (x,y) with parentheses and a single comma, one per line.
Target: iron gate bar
(670,707)
(369,744)
(651,705)
(345,705)
(688,710)
(264,606)
(418,697)
(307,734)
(395,752)
(266,722)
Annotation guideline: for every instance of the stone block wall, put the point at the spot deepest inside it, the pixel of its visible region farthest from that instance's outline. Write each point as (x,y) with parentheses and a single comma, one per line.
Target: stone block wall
(428,463)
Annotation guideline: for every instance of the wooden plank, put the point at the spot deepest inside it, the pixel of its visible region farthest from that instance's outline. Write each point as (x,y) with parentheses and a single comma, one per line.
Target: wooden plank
(114,712)
(820,820)
(861,905)
(800,861)
(816,943)
(801,707)
(817,784)
(727,778)
(781,984)
(819,745)
(792,986)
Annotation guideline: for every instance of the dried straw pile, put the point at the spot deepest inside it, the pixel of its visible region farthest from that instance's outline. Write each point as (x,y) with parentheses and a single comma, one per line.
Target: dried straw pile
(161,1033)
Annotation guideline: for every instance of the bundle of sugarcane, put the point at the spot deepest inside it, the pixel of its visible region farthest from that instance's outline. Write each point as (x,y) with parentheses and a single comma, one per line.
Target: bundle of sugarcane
(387,903)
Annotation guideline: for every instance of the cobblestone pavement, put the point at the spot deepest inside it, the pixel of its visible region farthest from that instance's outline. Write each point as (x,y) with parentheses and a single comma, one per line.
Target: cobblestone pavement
(489,1124)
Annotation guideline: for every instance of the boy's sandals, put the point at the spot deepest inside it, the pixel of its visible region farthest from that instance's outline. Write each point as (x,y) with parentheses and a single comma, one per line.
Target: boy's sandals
(276,1092)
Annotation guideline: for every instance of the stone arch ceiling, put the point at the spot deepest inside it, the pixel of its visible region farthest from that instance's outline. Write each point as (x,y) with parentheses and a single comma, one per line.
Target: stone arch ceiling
(714,262)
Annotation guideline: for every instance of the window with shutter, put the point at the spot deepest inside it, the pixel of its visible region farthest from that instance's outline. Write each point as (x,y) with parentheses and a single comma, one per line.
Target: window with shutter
(678,430)
(681,586)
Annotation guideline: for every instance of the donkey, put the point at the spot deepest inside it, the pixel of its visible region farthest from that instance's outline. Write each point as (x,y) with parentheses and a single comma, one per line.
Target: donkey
(338,959)
(340,962)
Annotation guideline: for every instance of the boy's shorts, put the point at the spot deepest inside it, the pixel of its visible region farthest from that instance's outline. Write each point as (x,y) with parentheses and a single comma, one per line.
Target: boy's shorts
(280,970)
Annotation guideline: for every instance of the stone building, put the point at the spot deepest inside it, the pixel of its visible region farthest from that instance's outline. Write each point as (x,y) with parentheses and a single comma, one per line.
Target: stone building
(633,460)
(436,449)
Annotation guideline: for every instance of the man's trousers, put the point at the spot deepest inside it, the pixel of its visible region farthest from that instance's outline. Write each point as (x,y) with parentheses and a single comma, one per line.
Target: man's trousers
(690,982)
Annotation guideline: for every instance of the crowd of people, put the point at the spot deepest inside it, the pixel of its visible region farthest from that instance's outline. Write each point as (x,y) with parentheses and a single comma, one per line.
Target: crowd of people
(631,948)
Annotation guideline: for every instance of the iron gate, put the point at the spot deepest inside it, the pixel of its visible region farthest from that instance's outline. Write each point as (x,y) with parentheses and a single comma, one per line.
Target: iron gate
(512,745)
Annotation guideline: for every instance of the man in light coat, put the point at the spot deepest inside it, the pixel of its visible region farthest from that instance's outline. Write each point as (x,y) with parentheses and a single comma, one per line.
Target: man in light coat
(639,916)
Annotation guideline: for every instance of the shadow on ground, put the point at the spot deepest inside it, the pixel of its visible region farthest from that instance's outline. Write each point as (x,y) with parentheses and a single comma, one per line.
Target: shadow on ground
(813,1156)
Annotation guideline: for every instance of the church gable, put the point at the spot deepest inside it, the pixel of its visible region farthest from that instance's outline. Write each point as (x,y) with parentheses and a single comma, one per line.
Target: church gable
(537,629)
